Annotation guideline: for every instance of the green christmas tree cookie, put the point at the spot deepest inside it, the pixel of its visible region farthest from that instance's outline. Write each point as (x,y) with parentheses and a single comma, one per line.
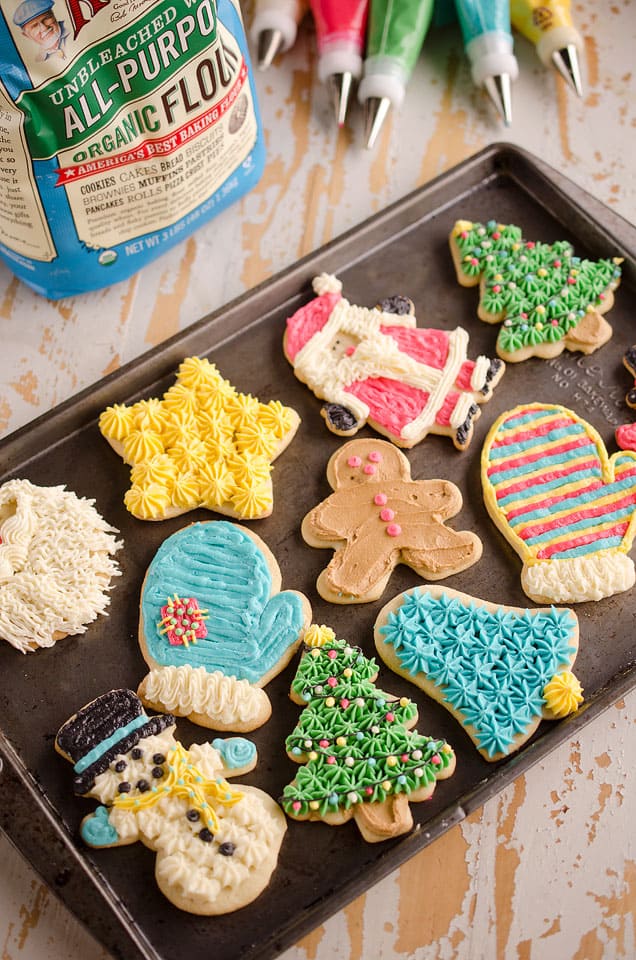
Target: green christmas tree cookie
(547,299)
(360,758)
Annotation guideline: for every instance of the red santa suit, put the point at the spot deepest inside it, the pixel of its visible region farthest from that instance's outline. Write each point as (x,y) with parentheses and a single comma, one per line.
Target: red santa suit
(378,365)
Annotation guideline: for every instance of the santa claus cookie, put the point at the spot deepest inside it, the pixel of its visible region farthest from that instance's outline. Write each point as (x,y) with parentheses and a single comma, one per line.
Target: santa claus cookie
(378,517)
(546,299)
(203,444)
(214,626)
(376,367)
(498,670)
(216,845)
(56,564)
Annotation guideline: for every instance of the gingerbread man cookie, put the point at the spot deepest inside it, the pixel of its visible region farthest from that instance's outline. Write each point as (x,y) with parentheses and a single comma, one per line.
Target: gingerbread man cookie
(378,517)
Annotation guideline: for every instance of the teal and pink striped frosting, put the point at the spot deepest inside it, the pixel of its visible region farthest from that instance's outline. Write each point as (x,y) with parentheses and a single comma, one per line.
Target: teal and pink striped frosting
(551,487)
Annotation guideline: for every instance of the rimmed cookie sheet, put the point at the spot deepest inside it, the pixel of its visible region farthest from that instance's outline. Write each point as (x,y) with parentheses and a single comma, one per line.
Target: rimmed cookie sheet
(403,249)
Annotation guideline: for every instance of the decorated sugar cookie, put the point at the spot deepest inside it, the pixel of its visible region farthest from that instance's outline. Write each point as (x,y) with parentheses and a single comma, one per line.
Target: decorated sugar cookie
(214,627)
(547,299)
(361,758)
(56,564)
(377,367)
(626,433)
(499,670)
(565,506)
(217,845)
(378,517)
(203,444)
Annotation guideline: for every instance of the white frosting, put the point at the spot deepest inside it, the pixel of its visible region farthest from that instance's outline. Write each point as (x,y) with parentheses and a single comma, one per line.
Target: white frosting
(185,690)
(55,563)
(478,378)
(191,872)
(577,579)
(326,283)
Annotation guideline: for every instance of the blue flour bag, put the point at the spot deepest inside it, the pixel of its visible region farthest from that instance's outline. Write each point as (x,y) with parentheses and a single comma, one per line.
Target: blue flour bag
(124,126)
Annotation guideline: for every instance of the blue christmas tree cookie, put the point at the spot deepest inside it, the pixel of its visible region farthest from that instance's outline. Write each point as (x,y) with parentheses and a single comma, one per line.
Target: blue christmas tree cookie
(499,670)
(214,627)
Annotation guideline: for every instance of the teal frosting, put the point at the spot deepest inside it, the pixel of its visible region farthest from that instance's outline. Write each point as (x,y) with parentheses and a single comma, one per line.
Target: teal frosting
(220,565)
(97,830)
(104,745)
(490,665)
(235,751)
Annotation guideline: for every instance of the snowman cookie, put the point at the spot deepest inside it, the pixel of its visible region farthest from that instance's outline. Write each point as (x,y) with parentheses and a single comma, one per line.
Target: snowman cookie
(215,627)
(498,670)
(377,367)
(378,517)
(216,845)
(566,507)
(56,564)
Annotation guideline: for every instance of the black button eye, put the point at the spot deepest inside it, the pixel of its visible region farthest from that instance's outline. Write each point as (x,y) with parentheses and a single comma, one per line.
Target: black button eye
(124,787)
(157,772)
(136,754)
(193,815)
(158,758)
(143,785)
(120,766)
(227,849)
(206,835)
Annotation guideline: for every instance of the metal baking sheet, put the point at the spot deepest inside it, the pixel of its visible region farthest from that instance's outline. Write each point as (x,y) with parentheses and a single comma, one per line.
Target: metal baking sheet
(404,249)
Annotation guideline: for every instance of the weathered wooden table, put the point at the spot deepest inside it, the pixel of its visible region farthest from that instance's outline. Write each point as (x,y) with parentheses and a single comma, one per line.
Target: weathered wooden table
(546,868)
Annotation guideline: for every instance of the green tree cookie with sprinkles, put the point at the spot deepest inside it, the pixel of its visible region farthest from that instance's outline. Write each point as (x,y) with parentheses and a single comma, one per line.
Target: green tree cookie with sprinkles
(361,759)
(546,299)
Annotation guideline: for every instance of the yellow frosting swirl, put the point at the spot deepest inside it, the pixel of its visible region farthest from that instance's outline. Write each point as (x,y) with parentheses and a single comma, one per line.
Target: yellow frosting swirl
(318,636)
(219,449)
(197,371)
(177,430)
(216,485)
(241,409)
(563,694)
(116,422)
(276,418)
(249,470)
(158,469)
(189,457)
(185,491)
(141,445)
(215,394)
(253,438)
(180,398)
(149,414)
(148,502)
(252,501)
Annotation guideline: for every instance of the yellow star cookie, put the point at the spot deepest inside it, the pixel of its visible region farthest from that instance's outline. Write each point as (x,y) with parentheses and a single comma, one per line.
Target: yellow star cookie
(203,444)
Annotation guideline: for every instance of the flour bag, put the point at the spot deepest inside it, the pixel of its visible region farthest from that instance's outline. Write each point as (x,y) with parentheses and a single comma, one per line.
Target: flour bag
(124,126)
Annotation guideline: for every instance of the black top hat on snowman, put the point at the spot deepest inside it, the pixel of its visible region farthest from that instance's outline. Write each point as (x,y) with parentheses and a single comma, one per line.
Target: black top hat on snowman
(105,728)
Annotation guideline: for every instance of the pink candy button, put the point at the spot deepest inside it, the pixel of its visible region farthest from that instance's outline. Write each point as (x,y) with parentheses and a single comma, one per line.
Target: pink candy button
(387,514)
(369,469)
(380,499)
(375,456)
(354,462)
(394,529)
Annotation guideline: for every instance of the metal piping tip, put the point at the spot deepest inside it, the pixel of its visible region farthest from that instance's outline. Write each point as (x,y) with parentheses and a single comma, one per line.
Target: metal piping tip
(341,84)
(376,110)
(498,89)
(566,61)
(269,43)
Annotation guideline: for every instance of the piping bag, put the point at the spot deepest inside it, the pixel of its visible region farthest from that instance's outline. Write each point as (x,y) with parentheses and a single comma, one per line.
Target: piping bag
(548,25)
(396,34)
(341,27)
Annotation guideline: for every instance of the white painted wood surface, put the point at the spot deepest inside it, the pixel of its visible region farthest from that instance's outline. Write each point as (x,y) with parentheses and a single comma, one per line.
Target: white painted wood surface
(548,868)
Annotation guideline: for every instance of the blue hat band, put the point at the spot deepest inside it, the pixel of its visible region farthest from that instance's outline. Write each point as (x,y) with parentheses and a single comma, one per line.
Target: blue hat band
(98,752)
